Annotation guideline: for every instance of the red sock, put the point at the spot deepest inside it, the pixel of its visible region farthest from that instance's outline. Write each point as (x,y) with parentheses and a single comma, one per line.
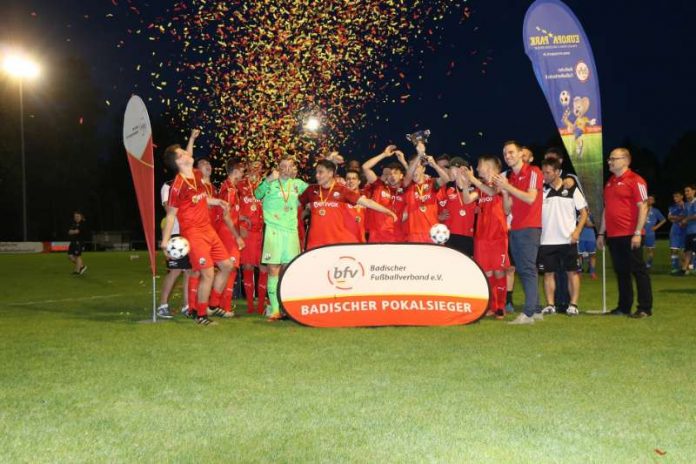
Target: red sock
(215,298)
(501,290)
(201,308)
(261,292)
(192,297)
(226,298)
(248,281)
(492,302)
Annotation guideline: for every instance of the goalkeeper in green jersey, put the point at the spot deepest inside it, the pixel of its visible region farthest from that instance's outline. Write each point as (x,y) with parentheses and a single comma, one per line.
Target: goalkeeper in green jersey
(279,194)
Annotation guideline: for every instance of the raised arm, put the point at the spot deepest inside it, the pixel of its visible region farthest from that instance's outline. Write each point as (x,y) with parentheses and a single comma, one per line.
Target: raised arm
(368,166)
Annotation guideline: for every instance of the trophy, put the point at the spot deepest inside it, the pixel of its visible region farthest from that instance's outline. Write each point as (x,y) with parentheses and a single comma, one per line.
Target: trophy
(419,136)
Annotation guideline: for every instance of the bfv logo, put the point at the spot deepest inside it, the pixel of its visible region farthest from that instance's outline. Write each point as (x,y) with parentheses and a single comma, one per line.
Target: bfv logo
(345,272)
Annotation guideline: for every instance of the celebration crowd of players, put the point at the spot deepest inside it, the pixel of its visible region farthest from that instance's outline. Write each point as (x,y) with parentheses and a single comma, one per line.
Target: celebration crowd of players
(522,219)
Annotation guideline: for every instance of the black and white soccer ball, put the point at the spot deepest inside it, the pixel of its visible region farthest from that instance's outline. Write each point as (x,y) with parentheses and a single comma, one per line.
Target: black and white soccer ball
(564,98)
(439,233)
(178,247)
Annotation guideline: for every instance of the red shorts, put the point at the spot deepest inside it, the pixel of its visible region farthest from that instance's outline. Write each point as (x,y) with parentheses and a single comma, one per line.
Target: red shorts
(251,253)
(385,236)
(206,248)
(491,255)
(230,243)
(419,238)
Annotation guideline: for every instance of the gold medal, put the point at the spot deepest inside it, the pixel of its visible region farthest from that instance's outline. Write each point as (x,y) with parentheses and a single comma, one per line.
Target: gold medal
(253,207)
(462,212)
(357,219)
(322,212)
(422,209)
(286,209)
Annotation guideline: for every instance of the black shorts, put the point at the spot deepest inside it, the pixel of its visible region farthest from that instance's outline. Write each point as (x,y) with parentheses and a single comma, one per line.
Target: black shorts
(461,243)
(181,263)
(690,243)
(558,258)
(75,248)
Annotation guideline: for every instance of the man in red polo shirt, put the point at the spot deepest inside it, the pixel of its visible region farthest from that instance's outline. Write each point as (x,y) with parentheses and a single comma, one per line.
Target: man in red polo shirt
(421,196)
(325,200)
(522,198)
(623,219)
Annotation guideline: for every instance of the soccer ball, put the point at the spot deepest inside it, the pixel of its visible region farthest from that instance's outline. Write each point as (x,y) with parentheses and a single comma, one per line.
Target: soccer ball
(178,247)
(564,97)
(439,233)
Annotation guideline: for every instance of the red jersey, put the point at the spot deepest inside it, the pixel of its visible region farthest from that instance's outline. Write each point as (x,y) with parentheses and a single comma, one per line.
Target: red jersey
(327,224)
(354,220)
(491,223)
(382,224)
(526,216)
(461,216)
(421,204)
(249,206)
(212,211)
(230,194)
(189,195)
(621,197)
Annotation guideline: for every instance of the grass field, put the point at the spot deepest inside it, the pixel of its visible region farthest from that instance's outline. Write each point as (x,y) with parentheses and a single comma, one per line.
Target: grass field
(84,381)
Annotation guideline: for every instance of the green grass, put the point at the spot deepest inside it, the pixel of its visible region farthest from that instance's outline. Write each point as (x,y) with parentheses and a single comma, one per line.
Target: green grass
(84,381)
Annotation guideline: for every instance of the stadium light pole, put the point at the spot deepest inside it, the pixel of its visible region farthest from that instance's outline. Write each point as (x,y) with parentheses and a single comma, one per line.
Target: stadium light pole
(21,68)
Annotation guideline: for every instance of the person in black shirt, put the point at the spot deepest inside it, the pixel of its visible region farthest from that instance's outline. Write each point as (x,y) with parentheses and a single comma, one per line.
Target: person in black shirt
(77,238)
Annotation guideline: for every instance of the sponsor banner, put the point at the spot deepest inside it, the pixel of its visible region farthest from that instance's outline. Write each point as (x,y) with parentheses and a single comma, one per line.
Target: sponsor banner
(137,139)
(57,246)
(383,285)
(564,65)
(21,247)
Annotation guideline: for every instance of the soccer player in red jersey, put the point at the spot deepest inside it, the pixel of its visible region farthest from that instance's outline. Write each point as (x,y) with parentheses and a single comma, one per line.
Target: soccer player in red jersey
(325,199)
(206,169)
(227,227)
(522,195)
(491,234)
(188,202)
(354,215)
(251,230)
(453,212)
(421,196)
(388,191)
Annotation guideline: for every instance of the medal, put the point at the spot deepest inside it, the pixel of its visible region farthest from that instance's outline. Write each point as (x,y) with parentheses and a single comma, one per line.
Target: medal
(253,207)
(357,219)
(462,212)
(422,208)
(285,197)
(286,209)
(322,212)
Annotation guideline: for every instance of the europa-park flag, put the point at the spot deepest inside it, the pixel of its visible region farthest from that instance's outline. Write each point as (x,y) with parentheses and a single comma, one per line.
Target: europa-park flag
(137,139)
(563,63)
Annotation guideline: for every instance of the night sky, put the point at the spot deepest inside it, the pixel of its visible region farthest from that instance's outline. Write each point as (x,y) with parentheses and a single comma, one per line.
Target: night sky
(643,50)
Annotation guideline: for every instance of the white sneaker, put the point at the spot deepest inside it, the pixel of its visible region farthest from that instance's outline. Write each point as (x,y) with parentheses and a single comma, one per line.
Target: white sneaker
(550,309)
(522,319)
(572,310)
(538,317)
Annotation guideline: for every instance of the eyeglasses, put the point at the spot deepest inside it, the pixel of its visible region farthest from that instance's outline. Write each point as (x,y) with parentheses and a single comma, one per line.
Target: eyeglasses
(615,158)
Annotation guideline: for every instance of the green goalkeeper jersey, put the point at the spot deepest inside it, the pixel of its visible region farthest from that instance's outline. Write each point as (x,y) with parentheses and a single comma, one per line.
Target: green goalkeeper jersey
(280,201)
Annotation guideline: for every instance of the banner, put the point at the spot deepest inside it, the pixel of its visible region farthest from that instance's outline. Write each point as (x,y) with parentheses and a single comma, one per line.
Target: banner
(137,139)
(563,62)
(21,247)
(383,284)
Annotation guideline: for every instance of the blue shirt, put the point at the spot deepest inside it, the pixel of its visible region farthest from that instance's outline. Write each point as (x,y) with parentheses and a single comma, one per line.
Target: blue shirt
(677,210)
(690,208)
(654,216)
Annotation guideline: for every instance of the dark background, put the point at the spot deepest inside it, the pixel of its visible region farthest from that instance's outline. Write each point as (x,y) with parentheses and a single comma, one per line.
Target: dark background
(73,113)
